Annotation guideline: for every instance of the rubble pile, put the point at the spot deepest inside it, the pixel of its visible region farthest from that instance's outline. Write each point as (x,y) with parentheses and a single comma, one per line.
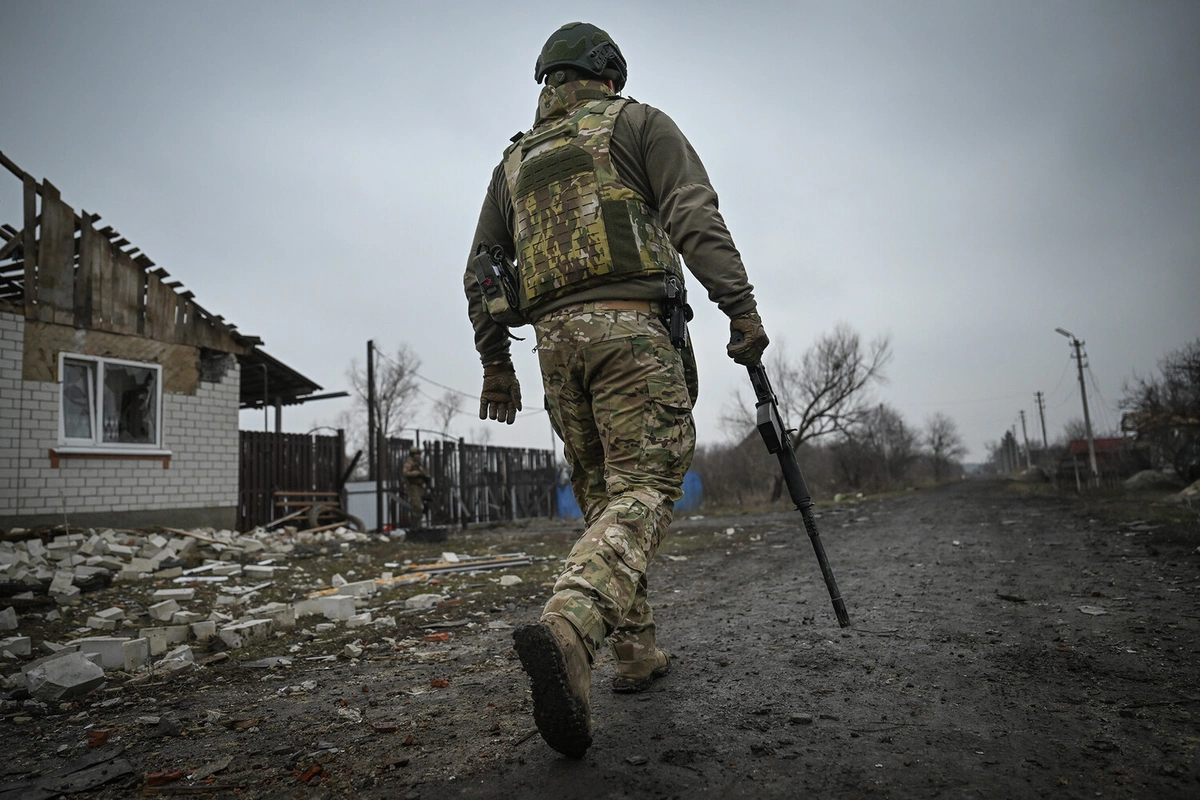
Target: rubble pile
(192,596)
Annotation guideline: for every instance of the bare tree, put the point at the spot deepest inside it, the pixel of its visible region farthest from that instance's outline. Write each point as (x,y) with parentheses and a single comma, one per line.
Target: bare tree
(877,451)
(1073,430)
(1164,411)
(827,390)
(396,394)
(446,408)
(944,442)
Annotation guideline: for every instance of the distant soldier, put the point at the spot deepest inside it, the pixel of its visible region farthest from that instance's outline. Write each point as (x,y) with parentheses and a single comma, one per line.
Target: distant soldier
(596,204)
(416,479)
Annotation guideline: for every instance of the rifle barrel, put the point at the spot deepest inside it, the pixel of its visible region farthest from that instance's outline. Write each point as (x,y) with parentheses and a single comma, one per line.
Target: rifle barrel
(776,438)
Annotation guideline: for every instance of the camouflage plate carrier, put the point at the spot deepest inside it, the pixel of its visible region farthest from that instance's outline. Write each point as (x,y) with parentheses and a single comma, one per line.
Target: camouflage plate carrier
(578,226)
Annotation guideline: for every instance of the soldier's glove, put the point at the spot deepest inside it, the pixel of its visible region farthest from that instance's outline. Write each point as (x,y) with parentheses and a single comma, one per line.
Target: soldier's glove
(747,339)
(501,396)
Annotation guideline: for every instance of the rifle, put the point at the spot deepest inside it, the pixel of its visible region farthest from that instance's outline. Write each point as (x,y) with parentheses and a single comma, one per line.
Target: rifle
(775,436)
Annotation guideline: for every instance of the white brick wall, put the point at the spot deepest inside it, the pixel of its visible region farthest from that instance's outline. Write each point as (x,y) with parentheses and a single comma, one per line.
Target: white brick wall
(200,430)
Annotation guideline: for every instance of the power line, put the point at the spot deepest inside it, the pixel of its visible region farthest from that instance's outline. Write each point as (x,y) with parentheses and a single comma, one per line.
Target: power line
(1066,369)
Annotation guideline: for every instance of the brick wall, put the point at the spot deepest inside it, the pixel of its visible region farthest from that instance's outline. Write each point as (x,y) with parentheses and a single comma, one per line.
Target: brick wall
(199,487)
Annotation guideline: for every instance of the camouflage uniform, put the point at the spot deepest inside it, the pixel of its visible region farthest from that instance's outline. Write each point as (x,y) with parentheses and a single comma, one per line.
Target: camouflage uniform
(593,246)
(415,477)
(617,398)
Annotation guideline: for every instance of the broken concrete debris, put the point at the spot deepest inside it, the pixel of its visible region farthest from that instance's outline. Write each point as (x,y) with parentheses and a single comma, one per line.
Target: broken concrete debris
(62,678)
(172,606)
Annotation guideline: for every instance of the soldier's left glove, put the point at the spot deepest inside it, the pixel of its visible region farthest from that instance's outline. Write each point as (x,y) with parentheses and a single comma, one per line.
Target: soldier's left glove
(747,339)
(501,396)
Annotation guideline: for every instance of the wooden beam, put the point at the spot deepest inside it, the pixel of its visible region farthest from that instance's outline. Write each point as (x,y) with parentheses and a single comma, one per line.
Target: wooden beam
(11,245)
(13,168)
(31,246)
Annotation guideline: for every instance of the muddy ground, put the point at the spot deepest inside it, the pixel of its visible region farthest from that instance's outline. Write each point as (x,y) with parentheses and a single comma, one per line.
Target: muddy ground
(1005,642)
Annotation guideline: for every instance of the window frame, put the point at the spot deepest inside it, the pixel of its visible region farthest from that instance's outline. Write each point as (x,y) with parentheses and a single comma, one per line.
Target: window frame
(96,444)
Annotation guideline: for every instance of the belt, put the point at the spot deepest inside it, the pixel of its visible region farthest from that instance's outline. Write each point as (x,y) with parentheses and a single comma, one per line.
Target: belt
(645,306)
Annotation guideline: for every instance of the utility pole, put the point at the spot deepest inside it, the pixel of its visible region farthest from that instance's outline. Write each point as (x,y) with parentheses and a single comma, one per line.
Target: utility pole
(1087,419)
(1041,404)
(1025,436)
(372,462)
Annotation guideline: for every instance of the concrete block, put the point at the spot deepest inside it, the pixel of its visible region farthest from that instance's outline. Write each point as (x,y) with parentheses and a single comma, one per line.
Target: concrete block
(174,594)
(165,610)
(186,618)
(157,637)
(64,677)
(62,582)
(205,630)
(256,573)
(282,614)
(308,607)
(337,607)
(85,571)
(423,601)
(94,546)
(64,650)
(107,647)
(136,654)
(359,620)
(358,589)
(101,624)
(229,570)
(16,645)
(8,619)
(178,659)
(71,595)
(114,613)
(168,573)
(178,634)
(35,548)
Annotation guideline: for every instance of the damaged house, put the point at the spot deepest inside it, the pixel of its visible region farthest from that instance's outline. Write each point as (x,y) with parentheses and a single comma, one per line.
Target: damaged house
(119,393)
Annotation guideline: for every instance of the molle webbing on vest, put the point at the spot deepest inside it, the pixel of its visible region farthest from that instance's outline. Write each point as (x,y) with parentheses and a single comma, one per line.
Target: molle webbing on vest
(577,225)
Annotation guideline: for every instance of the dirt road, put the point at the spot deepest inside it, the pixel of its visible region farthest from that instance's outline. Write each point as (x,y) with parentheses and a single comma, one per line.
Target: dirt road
(1003,644)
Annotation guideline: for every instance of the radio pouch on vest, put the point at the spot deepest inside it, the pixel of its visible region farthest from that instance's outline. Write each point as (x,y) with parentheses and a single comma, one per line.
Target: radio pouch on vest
(498,286)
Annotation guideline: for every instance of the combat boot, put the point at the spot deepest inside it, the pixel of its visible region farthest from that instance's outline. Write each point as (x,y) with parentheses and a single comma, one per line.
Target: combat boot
(636,676)
(560,675)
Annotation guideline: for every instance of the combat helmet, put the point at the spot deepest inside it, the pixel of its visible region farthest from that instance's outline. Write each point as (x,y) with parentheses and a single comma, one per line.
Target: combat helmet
(584,47)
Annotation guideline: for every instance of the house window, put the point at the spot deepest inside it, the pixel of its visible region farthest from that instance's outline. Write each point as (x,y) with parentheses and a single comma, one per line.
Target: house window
(109,404)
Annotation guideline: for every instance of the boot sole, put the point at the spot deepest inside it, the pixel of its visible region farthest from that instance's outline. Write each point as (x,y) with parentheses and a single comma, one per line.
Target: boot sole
(560,714)
(636,685)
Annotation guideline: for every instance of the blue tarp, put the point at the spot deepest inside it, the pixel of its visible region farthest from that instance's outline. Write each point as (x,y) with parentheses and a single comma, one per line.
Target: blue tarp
(693,495)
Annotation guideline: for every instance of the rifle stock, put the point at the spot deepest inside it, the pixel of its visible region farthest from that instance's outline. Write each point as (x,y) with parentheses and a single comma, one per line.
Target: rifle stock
(775,436)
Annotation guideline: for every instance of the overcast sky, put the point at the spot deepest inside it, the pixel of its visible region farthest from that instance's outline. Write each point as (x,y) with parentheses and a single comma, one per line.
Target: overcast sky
(963,177)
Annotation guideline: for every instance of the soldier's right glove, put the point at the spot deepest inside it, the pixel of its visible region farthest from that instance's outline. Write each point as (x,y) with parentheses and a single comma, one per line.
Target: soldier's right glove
(501,396)
(747,339)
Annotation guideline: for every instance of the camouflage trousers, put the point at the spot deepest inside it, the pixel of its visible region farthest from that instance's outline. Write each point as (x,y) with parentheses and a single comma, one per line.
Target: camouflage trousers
(416,499)
(617,398)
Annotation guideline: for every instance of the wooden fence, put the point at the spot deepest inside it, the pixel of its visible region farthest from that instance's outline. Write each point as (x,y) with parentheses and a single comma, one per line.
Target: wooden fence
(469,483)
(284,462)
